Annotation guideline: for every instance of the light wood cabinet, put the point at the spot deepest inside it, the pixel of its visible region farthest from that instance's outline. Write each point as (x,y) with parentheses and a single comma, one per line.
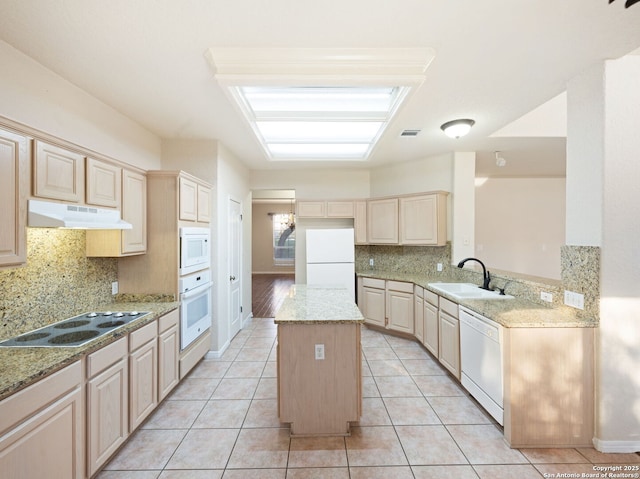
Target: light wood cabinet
(449,336)
(360,222)
(194,199)
(168,353)
(107,402)
(418,313)
(399,303)
(14,185)
(324,209)
(382,221)
(204,204)
(42,428)
(116,243)
(423,219)
(57,173)
(340,209)
(373,302)
(143,373)
(104,183)
(431,328)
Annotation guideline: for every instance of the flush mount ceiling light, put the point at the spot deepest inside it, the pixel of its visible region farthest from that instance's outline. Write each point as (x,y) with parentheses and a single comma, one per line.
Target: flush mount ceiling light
(457,128)
(318,104)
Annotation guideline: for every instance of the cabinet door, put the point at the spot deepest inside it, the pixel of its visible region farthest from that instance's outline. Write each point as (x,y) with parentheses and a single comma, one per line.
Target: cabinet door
(104,183)
(382,221)
(310,209)
(431,336)
(57,173)
(450,343)
(340,209)
(400,311)
(134,210)
(107,414)
(143,364)
(374,307)
(168,353)
(14,183)
(360,222)
(188,200)
(204,204)
(418,318)
(423,220)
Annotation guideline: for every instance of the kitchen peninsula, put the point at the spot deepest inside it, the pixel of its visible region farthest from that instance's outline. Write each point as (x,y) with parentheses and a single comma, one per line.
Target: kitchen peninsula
(319,361)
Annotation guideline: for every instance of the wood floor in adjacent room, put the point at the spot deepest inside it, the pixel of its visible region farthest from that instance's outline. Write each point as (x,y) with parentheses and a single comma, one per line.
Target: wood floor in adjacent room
(268,293)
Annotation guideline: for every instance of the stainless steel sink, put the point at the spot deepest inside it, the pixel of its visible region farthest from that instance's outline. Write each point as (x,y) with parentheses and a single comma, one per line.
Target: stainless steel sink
(74,331)
(464,291)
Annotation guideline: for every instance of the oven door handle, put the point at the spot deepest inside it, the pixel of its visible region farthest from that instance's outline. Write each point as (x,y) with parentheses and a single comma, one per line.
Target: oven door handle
(195,291)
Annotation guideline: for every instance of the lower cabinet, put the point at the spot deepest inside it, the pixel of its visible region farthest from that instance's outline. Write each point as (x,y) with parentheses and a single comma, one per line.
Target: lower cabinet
(168,353)
(143,373)
(50,441)
(418,313)
(373,302)
(431,327)
(449,336)
(400,306)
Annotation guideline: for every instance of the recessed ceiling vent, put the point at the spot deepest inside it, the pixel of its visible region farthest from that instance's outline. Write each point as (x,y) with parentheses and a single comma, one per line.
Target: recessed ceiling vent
(410,132)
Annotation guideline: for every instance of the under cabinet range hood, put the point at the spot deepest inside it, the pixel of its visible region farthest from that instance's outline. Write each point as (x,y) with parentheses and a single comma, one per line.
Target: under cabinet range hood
(47,214)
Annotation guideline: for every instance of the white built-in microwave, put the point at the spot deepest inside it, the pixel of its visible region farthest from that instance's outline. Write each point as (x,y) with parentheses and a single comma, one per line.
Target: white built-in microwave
(195,248)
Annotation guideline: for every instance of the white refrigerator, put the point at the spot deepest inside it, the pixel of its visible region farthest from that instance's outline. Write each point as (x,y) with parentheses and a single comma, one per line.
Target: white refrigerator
(330,258)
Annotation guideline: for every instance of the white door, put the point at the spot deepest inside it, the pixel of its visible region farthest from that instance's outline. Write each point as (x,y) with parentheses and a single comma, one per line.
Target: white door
(235,247)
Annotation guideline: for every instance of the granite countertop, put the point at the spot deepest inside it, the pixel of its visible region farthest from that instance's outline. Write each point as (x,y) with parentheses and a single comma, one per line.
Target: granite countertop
(510,313)
(318,304)
(22,366)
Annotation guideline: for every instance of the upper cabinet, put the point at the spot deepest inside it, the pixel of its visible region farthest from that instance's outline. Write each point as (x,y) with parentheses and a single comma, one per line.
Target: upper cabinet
(360,221)
(194,200)
(104,183)
(324,209)
(14,184)
(423,219)
(382,221)
(57,173)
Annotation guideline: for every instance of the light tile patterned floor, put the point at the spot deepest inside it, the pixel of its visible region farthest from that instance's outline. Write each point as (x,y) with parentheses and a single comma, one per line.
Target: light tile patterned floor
(221,422)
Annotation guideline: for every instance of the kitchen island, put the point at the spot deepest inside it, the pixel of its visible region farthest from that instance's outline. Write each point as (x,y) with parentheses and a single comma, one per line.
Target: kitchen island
(319,361)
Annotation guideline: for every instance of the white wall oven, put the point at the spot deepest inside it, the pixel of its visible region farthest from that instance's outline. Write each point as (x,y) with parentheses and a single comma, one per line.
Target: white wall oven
(195,244)
(195,306)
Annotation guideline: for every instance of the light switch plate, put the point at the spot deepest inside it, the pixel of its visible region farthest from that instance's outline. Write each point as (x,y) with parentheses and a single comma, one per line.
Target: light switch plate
(573,299)
(114,287)
(319,351)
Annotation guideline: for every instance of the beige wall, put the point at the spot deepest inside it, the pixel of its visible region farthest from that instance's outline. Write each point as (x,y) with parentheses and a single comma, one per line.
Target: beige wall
(262,238)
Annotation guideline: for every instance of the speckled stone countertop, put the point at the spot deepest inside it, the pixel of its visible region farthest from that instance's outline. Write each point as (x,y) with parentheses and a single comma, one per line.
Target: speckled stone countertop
(318,304)
(510,313)
(22,366)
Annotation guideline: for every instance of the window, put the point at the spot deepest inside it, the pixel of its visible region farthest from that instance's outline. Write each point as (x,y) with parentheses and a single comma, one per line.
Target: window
(284,239)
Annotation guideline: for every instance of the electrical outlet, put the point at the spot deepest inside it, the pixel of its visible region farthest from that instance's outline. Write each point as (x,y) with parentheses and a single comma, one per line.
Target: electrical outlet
(371,262)
(573,299)
(439,267)
(544,296)
(114,287)
(319,351)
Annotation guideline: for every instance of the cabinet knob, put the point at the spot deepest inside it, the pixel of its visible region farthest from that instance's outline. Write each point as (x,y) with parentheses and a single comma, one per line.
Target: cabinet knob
(232,278)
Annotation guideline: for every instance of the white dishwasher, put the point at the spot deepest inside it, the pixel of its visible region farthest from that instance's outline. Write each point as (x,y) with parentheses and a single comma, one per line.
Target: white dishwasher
(481,360)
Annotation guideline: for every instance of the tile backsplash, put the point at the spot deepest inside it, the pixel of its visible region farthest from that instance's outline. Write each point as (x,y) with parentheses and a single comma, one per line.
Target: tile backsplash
(57,282)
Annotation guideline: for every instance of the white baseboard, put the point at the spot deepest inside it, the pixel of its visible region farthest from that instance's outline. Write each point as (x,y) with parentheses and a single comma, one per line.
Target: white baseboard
(616,446)
(217,354)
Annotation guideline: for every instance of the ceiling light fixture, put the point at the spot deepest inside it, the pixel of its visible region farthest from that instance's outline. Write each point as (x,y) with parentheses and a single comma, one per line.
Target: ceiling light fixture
(457,128)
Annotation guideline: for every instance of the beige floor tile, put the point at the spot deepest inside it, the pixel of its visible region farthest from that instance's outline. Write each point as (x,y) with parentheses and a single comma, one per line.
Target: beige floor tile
(524,471)
(253,354)
(378,353)
(245,369)
(267,388)
(441,385)
(147,449)
(256,342)
(191,389)
(374,413)
(263,448)
(374,446)
(485,444)
(425,445)
(236,388)
(423,367)
(458,410)
(553,456)
(270,370)
(410,411)
(263,413)
(255,474)
(309,452)
(239,340)
(369,388)
(319,473)
(128,475)
(397,386)
(444,472)
(273,355)
(228,355)
(204,449)
(193,474)
(382,472)
(265,332)
(412,353)
(387,367)
(223,413)
(396,342)
(366,370)
(210,369)
(174,415)
(597,457)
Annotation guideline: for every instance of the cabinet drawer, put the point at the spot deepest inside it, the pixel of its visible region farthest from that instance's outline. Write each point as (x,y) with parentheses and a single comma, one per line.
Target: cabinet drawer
(449,307)
(418,291)
(373,283)
(400,286)
(168,320)
(142,336)
(431,298)
(105,357)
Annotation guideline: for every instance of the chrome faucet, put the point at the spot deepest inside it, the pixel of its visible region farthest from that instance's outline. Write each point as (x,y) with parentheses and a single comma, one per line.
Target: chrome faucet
(486,275)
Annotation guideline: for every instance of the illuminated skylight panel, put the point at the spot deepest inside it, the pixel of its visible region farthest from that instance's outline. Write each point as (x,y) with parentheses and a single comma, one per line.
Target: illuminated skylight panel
(319,131)
(319,151)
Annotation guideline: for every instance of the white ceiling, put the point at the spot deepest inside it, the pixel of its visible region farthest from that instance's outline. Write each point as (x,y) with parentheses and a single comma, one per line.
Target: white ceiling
(495,61)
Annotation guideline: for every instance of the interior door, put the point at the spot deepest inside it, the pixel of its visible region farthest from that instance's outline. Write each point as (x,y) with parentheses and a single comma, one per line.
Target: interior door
(235,265)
